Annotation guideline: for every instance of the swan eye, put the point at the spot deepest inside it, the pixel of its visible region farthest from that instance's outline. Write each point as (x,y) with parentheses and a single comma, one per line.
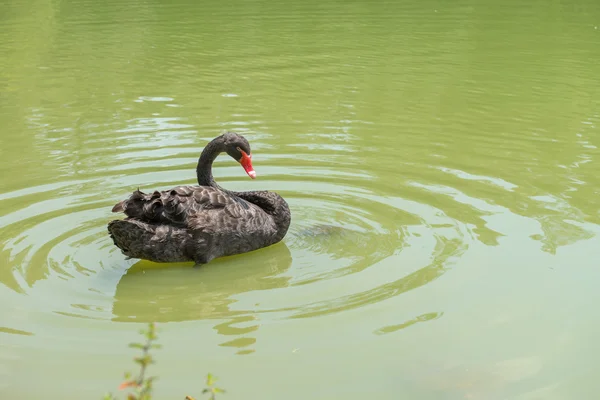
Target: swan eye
(242,152)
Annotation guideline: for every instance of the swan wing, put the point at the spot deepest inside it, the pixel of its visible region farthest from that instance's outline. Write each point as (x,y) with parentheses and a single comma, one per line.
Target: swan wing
(178,205)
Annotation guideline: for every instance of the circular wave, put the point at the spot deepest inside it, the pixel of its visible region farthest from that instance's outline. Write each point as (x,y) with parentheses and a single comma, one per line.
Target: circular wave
(355,239)
(348,246)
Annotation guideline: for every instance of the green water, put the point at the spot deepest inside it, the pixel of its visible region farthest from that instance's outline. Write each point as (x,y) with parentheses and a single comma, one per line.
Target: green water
(440,160)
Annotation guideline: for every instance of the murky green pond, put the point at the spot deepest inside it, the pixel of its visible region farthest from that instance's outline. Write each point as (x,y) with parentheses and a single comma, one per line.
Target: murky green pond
(440,160)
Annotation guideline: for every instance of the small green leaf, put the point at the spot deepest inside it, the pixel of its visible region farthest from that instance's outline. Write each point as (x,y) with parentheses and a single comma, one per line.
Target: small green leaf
(210,380)
(144,360)
(218,390)
(136,345)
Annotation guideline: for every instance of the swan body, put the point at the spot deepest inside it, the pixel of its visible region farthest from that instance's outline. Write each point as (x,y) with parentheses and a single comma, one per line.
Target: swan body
(201,222)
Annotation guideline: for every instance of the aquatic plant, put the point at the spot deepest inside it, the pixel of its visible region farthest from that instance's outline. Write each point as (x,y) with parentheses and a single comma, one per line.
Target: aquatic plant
(141,384)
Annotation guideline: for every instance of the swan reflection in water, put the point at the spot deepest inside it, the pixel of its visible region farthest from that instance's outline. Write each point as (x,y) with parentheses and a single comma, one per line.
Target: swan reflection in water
(150,292)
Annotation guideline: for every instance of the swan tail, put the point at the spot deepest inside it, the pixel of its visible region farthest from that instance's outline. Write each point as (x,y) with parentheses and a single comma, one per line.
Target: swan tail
(141,205)
(150,241)
(119,207)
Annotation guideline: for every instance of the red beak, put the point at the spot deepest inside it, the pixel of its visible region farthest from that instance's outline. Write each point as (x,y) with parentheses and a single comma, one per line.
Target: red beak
(246,162)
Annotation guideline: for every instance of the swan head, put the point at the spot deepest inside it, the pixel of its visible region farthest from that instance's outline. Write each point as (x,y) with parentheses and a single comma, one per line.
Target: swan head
(238,148)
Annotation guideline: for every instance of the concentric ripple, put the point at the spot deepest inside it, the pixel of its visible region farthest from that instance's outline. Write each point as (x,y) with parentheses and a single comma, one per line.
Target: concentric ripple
(348,246)
(357,237)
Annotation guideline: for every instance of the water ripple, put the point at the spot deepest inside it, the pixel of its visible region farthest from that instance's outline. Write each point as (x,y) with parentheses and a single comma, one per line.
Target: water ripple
(347,247)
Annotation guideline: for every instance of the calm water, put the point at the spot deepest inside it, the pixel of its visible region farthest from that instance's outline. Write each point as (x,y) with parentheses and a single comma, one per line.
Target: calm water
(440,160)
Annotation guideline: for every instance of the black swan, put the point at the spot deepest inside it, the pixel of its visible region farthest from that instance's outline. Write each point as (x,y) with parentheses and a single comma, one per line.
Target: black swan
(200,223)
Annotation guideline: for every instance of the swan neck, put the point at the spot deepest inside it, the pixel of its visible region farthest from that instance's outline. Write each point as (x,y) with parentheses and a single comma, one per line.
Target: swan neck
(205,162)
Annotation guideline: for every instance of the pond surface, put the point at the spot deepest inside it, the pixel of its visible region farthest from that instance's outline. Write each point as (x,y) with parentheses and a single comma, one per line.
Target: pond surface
(440,160)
